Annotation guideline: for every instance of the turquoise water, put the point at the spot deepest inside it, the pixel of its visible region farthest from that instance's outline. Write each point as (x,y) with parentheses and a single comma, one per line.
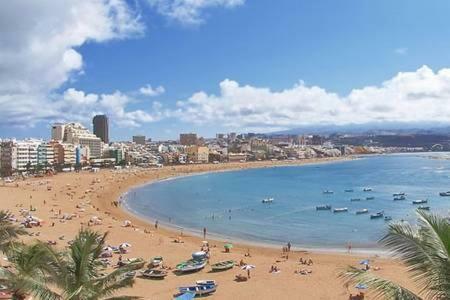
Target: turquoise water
(229,203)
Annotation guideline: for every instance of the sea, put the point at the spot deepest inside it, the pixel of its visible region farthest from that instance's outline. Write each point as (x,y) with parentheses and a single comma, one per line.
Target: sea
(229,204)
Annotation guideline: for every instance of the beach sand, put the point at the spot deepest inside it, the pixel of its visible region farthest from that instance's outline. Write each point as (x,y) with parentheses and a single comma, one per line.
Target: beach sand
(88,195)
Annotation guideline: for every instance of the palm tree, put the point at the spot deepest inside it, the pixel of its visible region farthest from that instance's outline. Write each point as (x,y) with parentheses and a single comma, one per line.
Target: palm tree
(75,274)
(425,250)
(8,231)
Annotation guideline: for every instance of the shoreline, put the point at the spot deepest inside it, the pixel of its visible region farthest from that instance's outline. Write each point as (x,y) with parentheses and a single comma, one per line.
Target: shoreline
(220,238)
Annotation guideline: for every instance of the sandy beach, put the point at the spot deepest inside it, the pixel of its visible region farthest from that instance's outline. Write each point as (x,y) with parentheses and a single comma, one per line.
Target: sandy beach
(67,201)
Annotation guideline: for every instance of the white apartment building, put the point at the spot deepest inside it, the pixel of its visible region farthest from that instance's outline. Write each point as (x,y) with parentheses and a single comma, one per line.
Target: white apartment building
(45,154)
(26,154)
(77,134)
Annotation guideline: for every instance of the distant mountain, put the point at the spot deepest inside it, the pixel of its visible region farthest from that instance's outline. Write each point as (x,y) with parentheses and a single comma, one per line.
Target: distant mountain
(386,128)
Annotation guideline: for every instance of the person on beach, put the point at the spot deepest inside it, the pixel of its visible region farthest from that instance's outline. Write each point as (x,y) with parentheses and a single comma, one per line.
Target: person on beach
(289,246)
(156,224)
(204,232)
(349,247)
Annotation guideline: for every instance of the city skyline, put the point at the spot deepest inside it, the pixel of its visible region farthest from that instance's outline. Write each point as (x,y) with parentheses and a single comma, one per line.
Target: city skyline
(159,68)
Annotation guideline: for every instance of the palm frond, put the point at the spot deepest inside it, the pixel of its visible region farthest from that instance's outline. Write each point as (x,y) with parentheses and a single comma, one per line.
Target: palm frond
(382,288)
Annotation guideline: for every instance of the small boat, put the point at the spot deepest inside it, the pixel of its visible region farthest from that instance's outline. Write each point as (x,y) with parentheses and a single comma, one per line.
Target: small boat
(323,207)
(388,218)
(420,201)
(423,207)
(154,274)
(328,192)
(349,191)
(398,198)
(370,198)
(355,199)
(377,215)
(444,194)
(267,200)
(206,282)
(191,265)
(155,262)
(199,289)
(362,211)
(223,265)
(367,189)
(398,194)
(342,209)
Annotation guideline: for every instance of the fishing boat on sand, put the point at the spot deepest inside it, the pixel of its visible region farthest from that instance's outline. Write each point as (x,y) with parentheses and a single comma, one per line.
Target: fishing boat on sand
(223,265)
(199,289)
(423,201)
(323,207)
(154,274)
(362,211)
(341,209)
(155,262)
(377,215)
(206,282)
(191,265)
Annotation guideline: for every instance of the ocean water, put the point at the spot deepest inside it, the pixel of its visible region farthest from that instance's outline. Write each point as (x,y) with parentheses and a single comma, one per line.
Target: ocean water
(229,204)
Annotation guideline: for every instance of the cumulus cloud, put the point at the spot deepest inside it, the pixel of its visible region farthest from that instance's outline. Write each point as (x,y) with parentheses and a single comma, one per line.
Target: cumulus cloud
(190,11)
(420,96)
(148,90)
(79,106)
(39,43)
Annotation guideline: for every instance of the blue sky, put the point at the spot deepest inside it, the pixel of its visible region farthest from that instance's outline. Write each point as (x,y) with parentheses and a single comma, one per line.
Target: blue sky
(260,65)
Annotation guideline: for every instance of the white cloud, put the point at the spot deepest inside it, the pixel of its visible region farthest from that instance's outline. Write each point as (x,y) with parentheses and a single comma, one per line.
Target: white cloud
(78,106)
(190,11)
(39,43)
(148,90)
(401,51)
(420,96)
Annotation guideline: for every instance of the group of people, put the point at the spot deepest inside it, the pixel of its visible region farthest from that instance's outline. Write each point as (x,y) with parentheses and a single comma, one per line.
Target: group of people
(305,261)
(274,269)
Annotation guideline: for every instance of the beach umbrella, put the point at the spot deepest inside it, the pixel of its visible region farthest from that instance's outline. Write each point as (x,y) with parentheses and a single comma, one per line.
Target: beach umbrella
(361,286)
(228,245)
(248,267)
(364,262)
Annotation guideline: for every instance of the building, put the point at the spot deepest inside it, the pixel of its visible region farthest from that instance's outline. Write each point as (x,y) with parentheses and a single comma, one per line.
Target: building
(45,155)
(139,139)
(77,134)
(101,127)
(197,154)
(8,158)
(188,139)
(58,132)
(26,155)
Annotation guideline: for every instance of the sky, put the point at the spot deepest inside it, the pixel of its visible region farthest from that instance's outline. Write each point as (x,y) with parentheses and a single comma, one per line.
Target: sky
(161,67)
